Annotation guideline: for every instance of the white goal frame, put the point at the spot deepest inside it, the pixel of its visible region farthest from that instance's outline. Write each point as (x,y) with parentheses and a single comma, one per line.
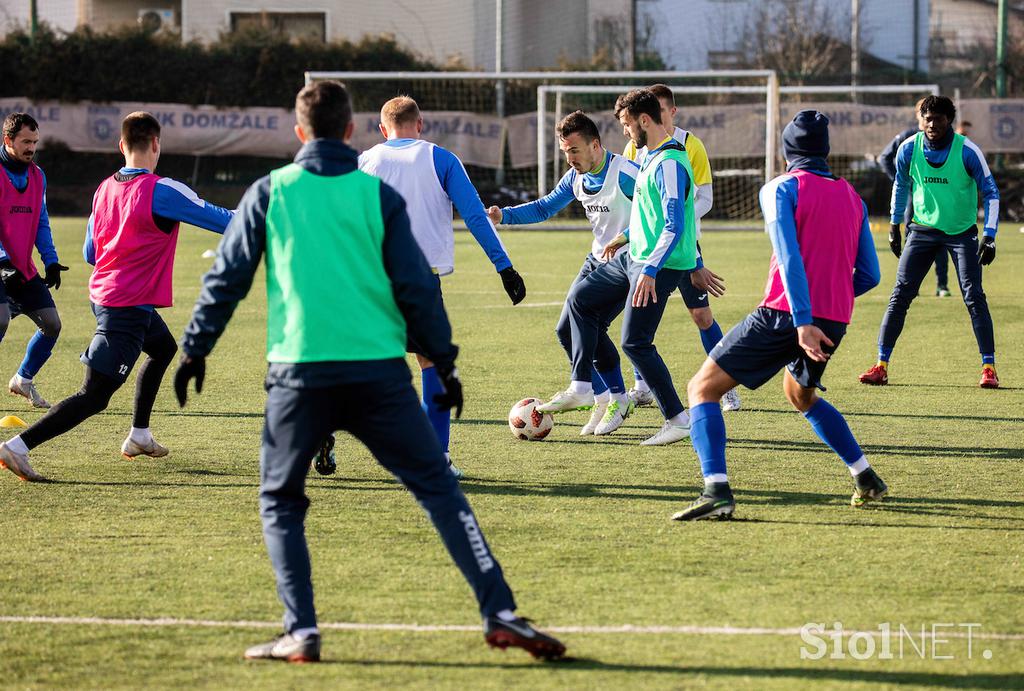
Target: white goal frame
(771,89)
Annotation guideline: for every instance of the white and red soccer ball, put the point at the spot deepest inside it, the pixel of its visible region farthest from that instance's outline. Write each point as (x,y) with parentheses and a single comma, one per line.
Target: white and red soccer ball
(526,422)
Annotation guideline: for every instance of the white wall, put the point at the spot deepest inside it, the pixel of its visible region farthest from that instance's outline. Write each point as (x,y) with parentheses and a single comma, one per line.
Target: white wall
(60,14)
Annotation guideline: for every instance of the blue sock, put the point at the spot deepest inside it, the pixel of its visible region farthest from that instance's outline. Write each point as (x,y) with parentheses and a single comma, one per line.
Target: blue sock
(440,420)
(613,379)
(830,426)
(36,354)
(884,353)
(711,336)
(707,433)
(597,381)
(988,358)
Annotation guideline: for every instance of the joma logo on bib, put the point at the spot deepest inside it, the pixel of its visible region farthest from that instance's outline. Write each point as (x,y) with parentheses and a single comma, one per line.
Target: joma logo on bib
(21,209)
(596,209)
(929,180)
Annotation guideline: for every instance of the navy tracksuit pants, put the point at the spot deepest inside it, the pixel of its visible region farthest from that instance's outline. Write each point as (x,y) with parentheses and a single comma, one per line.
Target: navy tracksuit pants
(606,357)
(297,420)
(598,299)
(923,245)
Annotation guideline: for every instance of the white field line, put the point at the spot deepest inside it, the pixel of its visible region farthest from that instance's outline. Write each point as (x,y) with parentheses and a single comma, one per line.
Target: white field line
(627,629)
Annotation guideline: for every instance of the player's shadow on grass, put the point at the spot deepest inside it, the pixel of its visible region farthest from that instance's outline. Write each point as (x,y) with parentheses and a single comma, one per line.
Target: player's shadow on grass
(812,674)
(882,450)
(902,416)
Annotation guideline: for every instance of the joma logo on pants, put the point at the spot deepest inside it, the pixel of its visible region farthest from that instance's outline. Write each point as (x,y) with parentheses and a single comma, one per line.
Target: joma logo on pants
(476,541)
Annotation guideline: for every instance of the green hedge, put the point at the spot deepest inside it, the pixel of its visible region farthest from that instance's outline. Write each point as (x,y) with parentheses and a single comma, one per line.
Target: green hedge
(254,68)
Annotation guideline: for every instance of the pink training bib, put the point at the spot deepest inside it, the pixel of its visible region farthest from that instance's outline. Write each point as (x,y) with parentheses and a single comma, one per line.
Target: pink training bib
(19,219)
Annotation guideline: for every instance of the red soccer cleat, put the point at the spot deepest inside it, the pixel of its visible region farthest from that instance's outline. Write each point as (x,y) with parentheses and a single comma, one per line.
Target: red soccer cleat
(876,376)
(989,380)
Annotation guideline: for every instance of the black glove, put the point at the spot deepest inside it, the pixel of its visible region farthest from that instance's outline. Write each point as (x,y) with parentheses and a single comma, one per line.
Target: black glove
(52,279)
(9,275)
(895,239)
(987,250)
(189,367)
(513,284)
(452,396)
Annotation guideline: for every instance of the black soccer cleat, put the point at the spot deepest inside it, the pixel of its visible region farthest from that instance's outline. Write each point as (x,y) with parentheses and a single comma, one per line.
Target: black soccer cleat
(324,461)
(518,633)
(869,487)
(288,649)
(715,502)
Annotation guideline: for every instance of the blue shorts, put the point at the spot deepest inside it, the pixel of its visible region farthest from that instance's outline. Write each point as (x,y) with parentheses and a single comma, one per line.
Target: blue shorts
(122,334)
(762,344)
(24,297)
(694,299)
(411,346)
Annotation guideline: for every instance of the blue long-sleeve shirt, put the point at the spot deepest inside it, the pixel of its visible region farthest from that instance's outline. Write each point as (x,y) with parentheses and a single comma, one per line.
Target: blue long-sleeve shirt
(173,202)
(18,174)
(936,154)
(557,199)
(413,284)
(781,227)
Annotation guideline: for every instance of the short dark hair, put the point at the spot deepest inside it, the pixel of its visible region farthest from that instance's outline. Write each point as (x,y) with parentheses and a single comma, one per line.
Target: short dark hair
(138,129)
(578,122)
(940,105)
(323,109)
(639,102)
(399,111)
(663,93)
(15,121)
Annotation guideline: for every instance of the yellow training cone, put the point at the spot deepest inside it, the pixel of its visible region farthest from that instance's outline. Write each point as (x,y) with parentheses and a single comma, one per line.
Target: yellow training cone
(12,421)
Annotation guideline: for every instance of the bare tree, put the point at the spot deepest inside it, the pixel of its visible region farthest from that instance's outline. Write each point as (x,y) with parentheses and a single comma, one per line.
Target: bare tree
(797,38)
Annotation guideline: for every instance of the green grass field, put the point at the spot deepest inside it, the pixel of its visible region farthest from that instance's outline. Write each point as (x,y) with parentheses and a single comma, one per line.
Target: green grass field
(581,525)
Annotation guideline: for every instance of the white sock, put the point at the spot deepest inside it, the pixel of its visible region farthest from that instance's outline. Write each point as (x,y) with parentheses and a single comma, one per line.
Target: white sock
(680,420)
(859,466)
(16,445)
(603,397)
(579,387)
(141,435)
(302,634)
(641,385)
(22,380)
(716,478)
(506,615)
(621,398)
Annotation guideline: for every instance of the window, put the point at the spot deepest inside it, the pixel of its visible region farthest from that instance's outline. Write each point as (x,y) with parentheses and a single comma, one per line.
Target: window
(297,25)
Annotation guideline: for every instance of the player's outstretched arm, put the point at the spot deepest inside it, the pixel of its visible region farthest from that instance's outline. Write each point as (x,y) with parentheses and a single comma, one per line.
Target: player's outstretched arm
(178,202)
(224,285)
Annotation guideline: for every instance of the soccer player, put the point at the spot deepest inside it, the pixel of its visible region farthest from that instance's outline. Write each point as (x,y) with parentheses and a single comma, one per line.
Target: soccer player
(702,281)
(327,373)
(603,183)
(431,179)
(24,222)
(947,170)
(130,240)
(823,256)
(662,251)
(887,161)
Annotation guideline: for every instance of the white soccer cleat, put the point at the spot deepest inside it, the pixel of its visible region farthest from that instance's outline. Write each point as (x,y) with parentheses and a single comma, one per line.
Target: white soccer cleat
(731,400)
(614,416)
(131,448)
(18,464)
(454,469)
(668,434)
(595,418)
(20,387)
(640,398)
(566,401)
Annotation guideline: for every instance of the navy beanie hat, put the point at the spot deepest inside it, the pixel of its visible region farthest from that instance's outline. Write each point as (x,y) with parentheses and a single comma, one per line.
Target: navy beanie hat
(806,136)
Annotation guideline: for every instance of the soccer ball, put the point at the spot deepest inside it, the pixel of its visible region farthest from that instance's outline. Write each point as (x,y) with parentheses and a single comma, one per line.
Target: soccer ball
(526,422)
